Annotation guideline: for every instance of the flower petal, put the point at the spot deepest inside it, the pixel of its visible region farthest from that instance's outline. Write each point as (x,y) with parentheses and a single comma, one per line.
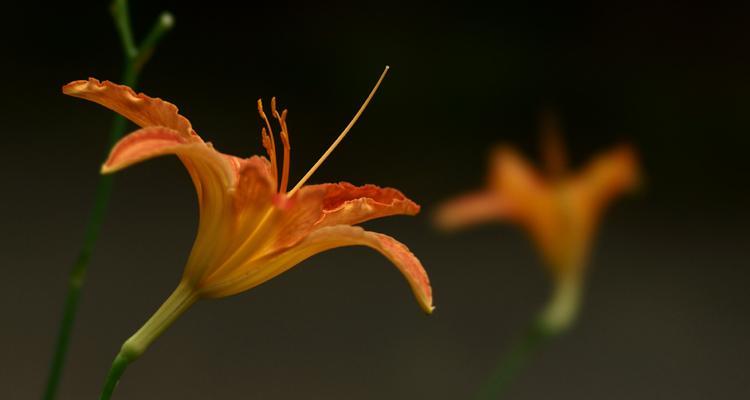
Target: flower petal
(606,176)
(536,204)
(142,145)
(512,174)
(255,184)
(586,197)
(213,175)
(258,271)
(347,204)
(223,230)
(472,208)
(298,215)
(200,158)
(143,110)
(212,172)
(252,198)
(278,223)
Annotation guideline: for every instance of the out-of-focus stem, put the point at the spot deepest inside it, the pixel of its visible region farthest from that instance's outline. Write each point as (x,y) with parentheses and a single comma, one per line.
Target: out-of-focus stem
(514,361)
(135,58)
(557,316)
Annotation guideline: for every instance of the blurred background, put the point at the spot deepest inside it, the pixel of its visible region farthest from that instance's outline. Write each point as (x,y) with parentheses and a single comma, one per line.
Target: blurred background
(665,311)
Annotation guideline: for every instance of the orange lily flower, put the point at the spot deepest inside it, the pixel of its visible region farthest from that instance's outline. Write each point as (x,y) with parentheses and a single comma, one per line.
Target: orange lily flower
(560,210)
(251,228)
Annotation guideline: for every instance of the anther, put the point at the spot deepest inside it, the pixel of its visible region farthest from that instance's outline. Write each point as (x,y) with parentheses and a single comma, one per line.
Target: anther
(270,143)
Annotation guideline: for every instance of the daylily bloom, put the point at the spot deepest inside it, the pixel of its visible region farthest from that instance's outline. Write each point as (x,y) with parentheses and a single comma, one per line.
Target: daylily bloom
(559,209)
(251,228)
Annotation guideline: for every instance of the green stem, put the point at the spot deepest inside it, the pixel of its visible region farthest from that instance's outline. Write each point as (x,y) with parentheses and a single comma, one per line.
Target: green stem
(121,16)
(146,49)
(75,282)
(562,308)
(133,64)
(113,377)
(511,365)
(176,304)
(556,317)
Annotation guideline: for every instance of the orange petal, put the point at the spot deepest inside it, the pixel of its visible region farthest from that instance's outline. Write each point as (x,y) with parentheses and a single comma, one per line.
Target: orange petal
(146,143)
(537,204)
(519,184)
(142,145)
(607,176)
(143,110)
(258,271)
(589,193)
(253,196)
(212,172)
(278,223)
(298,215)
(512,174)
(472,209)
(223,229)
(255,184)
(347,204)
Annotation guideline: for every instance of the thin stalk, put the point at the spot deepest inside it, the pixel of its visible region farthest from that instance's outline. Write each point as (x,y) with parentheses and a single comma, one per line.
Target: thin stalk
(556,317)
(532,340)
(135,58)
(176,304)
(113,377)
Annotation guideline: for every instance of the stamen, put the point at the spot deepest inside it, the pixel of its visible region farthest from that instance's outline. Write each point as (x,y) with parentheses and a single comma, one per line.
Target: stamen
(341,136)
(285,142)
(268,141)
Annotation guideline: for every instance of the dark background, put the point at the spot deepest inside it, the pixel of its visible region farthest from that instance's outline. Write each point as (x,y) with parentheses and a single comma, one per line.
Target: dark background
(665,313)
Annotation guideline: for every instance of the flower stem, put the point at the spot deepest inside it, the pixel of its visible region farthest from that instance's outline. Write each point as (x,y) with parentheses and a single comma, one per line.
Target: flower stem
(177,303)
(113,377)
(556,317)
(135,58)
(511,365)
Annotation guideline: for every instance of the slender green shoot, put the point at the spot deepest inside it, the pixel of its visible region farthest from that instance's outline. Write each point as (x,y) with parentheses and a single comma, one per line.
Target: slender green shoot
(135,57)
(521,352)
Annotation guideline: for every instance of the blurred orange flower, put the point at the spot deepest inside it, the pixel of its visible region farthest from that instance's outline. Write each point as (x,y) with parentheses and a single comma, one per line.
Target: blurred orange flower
(251,228)
(559,209)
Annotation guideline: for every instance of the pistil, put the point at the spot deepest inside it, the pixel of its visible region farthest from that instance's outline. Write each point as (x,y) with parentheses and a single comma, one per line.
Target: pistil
(341,136)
